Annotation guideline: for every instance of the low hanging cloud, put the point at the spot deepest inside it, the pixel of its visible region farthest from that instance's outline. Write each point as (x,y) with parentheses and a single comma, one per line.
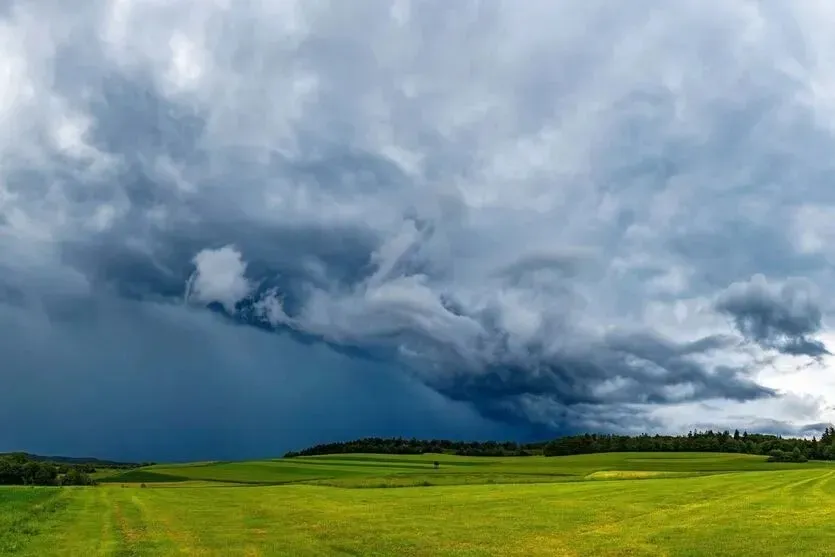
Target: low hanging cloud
(782,316)
(551,231)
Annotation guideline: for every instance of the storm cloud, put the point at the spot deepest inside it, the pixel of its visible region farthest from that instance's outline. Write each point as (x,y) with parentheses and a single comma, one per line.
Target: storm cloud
(506,219)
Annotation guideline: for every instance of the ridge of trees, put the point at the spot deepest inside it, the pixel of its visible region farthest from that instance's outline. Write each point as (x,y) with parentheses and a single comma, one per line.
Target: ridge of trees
(399,445)
(26,469)
(777,448)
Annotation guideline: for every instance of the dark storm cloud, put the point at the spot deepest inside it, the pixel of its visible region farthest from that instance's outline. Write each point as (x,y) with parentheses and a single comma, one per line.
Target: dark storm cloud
(410,201)
(623,369)
(780,316)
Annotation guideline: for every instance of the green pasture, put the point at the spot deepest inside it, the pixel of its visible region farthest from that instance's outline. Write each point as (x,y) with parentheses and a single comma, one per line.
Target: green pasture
(392,470)
(610,504)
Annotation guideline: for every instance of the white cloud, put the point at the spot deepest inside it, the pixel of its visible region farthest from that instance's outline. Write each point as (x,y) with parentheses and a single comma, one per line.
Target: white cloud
(219,277)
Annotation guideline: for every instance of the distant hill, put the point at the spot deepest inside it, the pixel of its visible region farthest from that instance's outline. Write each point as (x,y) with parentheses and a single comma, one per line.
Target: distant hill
(96,462)
(19,468)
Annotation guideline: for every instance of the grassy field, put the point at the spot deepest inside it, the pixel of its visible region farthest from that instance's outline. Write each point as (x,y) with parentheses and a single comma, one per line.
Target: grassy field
(612,504)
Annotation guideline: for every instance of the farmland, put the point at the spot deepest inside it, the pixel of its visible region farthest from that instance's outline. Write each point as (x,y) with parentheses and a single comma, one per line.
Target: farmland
(604,504)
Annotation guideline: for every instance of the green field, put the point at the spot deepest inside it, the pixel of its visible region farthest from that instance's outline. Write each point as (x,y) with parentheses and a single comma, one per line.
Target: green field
(609,504)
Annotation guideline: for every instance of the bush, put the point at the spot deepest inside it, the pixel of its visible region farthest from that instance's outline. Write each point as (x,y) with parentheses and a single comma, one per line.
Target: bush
(75,476)
(782,456)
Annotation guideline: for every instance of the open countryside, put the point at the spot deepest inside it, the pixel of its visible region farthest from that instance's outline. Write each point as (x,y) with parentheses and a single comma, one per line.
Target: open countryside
(628,503)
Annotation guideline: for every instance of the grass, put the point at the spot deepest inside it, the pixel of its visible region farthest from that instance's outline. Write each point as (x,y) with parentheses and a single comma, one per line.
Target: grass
(24,513)
(101,473)
(612,504)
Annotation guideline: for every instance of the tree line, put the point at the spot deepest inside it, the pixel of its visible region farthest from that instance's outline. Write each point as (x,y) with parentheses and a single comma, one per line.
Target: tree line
(399,445)
(777,448)
(25,469)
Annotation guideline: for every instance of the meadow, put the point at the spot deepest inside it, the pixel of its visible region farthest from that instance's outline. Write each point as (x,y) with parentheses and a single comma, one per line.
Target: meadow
(604,504)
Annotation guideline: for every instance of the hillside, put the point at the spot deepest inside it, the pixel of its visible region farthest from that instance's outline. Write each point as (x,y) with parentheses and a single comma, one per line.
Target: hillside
(371,470)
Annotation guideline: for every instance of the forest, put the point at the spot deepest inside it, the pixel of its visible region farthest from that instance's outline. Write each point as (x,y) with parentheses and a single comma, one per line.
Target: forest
(399,445)
(777,448)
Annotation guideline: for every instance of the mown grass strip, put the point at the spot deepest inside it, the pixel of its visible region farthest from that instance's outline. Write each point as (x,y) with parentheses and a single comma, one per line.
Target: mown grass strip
(25,513)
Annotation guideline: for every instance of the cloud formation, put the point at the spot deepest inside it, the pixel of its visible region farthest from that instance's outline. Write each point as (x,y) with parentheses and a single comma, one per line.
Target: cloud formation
(507,215)
(776,316)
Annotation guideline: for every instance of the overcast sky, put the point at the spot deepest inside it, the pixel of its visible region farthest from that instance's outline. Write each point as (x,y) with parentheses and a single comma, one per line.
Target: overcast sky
(233,228)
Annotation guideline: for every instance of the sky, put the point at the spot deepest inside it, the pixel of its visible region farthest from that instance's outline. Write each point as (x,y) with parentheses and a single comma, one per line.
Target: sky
(229,229)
